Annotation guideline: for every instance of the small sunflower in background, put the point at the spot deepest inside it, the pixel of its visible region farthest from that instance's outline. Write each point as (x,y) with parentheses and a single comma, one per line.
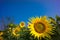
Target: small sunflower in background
(1,38)
(40,27)
(16,31)
(1,33)
(22,24)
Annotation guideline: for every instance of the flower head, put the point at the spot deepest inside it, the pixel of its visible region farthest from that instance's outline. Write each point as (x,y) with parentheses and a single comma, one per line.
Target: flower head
(22,24)
(16,31)
(40,27)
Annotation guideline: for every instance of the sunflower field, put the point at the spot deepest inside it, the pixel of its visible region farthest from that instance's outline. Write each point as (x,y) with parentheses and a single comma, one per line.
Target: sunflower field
(37,28)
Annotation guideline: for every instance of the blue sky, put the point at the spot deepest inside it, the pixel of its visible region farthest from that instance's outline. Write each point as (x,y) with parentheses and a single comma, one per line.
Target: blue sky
(21,10)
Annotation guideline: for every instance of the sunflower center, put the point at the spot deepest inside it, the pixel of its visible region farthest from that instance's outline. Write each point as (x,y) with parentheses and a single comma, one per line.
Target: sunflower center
(39,27)
(22,24)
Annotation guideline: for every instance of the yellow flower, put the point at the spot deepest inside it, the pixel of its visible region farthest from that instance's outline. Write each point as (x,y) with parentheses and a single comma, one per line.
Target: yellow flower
(40,27)
(22,24)
(15,31)
(1,38)
(1,33)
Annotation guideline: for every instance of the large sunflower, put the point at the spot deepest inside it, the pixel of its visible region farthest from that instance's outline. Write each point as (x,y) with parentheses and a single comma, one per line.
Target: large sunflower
(40,27)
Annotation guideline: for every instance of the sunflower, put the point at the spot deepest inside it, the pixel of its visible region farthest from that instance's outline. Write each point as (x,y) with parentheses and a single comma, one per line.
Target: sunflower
(1,33)
(16,31)
(40,27)
(22,24)
(1,38)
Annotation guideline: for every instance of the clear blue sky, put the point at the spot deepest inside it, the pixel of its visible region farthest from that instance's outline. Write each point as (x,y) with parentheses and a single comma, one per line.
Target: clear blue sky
(21,10)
